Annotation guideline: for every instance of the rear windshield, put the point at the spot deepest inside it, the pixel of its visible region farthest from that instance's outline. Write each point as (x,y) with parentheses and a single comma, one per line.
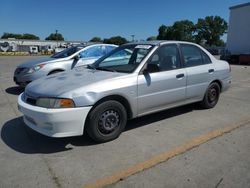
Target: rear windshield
(67,52)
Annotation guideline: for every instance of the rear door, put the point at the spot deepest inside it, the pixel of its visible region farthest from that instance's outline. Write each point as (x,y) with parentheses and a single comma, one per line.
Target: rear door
(199,69)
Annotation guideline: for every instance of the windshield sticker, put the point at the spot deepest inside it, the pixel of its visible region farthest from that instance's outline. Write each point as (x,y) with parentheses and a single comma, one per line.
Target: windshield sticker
(143,46)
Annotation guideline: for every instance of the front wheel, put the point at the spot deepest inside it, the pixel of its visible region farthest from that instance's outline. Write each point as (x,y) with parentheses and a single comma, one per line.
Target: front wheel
(106,121)
(212,96)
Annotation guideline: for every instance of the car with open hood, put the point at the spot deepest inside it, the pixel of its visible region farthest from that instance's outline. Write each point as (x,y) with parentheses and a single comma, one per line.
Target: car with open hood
(133,80)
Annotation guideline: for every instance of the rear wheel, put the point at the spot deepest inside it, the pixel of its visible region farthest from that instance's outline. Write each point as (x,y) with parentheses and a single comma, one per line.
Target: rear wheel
(106,121)
(212,96)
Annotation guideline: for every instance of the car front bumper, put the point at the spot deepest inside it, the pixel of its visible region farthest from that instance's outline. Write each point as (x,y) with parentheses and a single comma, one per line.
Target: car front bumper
(23,79)
(63,122)
(21,82)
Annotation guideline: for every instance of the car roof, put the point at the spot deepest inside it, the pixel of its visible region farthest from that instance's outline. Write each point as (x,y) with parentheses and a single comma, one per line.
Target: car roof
(158,42)
(90,44)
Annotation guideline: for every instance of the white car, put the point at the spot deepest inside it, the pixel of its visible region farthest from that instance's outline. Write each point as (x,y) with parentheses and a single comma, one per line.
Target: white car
(133,80)
(80,55)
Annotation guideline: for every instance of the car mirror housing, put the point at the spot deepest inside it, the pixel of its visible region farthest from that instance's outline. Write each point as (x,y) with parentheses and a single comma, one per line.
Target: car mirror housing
(150,68)
(77,57)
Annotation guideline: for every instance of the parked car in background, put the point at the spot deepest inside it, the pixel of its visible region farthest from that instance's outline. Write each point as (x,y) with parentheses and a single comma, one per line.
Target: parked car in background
(131,81)
(67,59)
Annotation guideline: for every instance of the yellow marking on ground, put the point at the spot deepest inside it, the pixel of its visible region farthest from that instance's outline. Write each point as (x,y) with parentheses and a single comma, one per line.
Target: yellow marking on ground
(118,176)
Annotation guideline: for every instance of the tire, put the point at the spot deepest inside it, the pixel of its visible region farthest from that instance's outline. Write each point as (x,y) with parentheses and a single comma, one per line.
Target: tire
(55,71)
(106,121)
(211,96)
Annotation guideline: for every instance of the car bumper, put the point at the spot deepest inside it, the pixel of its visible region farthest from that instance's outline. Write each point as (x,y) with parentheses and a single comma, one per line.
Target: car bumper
(54,122)
(226,83)
(21,82)
(24,79)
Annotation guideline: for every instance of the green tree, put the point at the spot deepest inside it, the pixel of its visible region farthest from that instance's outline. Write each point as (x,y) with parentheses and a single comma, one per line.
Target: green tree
(20,36)
(11,35)
(151,38)
(210,30)
(183,30)
(96,39)
(162,32)
(180,30)
(118,40)
(55,36)
(30,36)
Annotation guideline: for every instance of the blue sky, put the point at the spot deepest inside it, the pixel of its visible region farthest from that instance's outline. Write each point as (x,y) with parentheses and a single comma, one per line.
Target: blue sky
(84,19)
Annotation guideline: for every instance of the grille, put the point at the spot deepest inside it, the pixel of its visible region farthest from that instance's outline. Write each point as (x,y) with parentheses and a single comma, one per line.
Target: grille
(31,101)
(19,70)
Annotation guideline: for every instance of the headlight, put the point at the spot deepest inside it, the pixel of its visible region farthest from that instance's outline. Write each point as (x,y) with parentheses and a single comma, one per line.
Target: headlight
(55,103)
(35,68)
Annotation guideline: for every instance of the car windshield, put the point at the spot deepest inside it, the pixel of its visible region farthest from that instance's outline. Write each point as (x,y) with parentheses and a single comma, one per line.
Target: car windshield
(123,59)
(67,52)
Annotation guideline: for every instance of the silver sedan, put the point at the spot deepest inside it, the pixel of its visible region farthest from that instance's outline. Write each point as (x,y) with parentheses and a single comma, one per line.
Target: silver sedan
(133,80)
(67,59)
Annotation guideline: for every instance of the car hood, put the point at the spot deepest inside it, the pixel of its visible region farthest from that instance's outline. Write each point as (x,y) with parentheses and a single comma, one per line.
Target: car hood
(36,62)
(61,83)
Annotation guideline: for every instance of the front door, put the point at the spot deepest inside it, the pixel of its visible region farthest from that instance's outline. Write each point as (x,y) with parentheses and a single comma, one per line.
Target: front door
(163,84)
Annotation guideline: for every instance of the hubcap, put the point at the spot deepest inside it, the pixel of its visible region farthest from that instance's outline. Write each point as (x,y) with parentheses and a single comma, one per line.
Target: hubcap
(108,122)
(212,95)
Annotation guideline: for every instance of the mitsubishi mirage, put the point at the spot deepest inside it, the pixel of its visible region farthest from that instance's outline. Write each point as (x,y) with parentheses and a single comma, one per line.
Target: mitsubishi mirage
(67,59)
(146,78)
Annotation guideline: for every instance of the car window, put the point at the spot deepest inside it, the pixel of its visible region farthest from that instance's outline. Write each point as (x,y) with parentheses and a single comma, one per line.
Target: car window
(110,48)
(165,58)
(95,51)
(67,52)
(192,55)
(123,59)
(206,59)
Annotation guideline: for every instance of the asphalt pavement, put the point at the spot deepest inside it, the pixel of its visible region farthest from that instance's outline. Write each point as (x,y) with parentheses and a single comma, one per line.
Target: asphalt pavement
(181,147)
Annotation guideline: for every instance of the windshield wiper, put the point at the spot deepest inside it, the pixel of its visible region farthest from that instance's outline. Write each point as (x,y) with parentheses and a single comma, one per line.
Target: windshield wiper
(91,67)
(105,69)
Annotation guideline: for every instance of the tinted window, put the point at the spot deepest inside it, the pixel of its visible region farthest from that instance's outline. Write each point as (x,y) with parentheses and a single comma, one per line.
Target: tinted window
(166,58)
(192,55)
(206,59)
(95,51)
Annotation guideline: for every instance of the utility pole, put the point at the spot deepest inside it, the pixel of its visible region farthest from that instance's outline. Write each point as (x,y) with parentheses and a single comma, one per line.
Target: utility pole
(133,38)
(56,38)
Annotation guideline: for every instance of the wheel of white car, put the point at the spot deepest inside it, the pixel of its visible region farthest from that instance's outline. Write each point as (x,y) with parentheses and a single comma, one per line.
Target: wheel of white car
(212,96)
(106,121)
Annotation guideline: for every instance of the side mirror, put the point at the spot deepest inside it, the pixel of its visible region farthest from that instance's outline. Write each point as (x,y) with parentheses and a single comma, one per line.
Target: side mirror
(151,68)
(77,57)
(145,71)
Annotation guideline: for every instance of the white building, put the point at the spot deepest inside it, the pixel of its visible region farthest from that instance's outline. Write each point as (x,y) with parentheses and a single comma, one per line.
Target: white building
(23,45)
(238,38)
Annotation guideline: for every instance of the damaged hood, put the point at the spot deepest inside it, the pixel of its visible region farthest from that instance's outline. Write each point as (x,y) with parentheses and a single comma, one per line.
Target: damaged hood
(60,83)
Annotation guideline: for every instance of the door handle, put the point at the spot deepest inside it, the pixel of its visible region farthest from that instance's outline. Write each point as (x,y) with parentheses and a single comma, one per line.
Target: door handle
(211,70)
(179,76)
